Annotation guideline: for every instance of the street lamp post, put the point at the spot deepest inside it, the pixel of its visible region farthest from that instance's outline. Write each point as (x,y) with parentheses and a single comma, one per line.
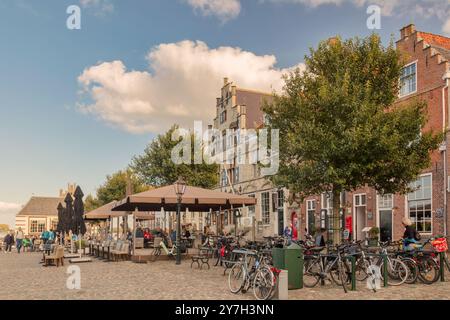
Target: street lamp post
(180,188)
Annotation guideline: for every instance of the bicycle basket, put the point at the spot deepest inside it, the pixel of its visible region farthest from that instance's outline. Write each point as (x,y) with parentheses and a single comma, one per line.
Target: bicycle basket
(440,245)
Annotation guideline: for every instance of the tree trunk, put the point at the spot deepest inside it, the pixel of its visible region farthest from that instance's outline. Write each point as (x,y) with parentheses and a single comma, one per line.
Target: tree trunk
(335,218)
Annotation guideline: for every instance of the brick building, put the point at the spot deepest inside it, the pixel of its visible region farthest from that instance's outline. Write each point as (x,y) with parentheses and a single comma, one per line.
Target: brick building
(237,110)
(426,76)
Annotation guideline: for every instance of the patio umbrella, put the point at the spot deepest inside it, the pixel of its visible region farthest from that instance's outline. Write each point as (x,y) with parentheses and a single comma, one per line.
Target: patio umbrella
(69,214)
(194,199)
(78,213)
(61,221)
(60,226)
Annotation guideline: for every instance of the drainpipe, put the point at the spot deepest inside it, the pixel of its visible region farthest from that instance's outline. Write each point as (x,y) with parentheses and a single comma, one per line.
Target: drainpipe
(446,78)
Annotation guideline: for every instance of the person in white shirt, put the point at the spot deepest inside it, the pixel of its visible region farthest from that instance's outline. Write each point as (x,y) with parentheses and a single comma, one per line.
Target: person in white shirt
(19,239)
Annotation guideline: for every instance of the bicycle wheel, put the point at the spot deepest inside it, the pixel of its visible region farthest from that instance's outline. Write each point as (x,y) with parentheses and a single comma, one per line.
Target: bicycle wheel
(311,272)
(339,272)
(397,272)
(236,278)
(155,254)
(264,283)
(428,270)
(413,270)
(446,261)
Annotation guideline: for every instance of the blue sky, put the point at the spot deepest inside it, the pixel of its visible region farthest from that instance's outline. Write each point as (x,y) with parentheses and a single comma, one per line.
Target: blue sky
(76,105)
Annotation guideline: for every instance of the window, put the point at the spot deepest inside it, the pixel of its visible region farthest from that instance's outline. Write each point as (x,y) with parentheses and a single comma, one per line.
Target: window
(360,200)
(385,202)
(419,204)
(37,226)
(280,199)
(224,179)
(33,226)
(236,175)
(223,117)
(327,206)
(311,214)
(408,80)
(265,207)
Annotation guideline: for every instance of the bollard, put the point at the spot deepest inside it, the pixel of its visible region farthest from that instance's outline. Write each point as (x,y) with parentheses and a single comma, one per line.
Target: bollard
(353,261)
(385,270)
(283,286)
(442,266)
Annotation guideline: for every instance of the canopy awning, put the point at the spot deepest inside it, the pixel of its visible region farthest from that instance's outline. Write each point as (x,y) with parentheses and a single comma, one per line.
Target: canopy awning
(104,213)
(194,199)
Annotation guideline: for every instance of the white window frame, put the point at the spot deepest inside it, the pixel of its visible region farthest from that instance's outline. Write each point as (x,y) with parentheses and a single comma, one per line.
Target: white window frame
(400,83)
(407,213)
(379,208)
(326,202)
(360,205)
(263,215)
(311,205)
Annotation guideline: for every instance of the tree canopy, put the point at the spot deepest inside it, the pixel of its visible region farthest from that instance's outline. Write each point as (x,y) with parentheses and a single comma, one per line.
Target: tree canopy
(114,188)
(156,168)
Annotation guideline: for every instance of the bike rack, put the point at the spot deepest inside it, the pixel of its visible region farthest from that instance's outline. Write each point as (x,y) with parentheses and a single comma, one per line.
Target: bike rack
(442,266)
(384,256)
(353,262)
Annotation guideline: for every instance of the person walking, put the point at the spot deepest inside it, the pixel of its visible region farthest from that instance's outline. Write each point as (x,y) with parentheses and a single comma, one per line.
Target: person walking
(9,241)
(19,239)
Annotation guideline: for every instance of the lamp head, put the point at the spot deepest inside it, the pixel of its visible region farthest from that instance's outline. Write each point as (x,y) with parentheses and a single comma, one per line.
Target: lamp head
(180,187)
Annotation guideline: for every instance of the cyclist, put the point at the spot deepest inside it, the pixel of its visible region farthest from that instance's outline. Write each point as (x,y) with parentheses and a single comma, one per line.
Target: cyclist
(411,236)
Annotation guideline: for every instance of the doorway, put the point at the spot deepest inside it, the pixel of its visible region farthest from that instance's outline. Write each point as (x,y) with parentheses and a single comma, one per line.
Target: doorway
(294,221)
(360,216)
(385,207)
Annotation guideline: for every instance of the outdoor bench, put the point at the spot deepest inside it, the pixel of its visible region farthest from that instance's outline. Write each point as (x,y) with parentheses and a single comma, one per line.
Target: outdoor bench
(202,258)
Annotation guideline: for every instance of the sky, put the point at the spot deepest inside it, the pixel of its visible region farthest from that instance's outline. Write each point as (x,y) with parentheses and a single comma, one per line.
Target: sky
(78,104)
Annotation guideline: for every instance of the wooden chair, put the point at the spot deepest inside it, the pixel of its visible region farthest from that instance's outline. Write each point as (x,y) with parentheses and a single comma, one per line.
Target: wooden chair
(56,257)
(116,249)
(122,253)
(139,243)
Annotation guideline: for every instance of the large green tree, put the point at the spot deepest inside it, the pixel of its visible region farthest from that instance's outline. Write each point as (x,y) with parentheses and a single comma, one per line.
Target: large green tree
(155,166)
(114,188)
(340,128)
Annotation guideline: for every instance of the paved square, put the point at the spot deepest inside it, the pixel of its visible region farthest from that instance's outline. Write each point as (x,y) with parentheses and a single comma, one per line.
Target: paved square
(22,277)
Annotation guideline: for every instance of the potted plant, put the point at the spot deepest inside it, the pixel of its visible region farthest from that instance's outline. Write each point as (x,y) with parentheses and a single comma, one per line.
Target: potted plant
(374,236)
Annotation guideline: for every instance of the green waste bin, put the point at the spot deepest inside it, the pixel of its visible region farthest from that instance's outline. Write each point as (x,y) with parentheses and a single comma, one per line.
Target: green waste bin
(290,259)
(278,258)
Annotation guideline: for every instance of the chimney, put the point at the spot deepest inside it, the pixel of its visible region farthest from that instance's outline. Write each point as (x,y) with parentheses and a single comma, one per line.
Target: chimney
(233,90)
(225,81)
(407,31)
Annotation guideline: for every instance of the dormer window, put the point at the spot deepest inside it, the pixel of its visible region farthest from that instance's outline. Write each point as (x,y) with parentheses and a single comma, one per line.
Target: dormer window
(408,80)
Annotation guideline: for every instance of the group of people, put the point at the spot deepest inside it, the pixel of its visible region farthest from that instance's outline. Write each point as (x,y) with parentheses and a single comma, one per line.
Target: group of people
(20,240)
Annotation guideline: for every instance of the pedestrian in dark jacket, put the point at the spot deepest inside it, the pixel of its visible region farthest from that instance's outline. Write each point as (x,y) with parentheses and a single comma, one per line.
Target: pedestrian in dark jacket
(9,241)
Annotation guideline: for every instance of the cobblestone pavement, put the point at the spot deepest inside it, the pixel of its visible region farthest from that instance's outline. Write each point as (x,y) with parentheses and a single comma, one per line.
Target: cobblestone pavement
(22,277)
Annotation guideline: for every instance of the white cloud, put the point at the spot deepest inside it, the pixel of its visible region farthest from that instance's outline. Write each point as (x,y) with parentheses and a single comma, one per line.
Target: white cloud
(8,213)
(100,7)
(184,80)
(223,9)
